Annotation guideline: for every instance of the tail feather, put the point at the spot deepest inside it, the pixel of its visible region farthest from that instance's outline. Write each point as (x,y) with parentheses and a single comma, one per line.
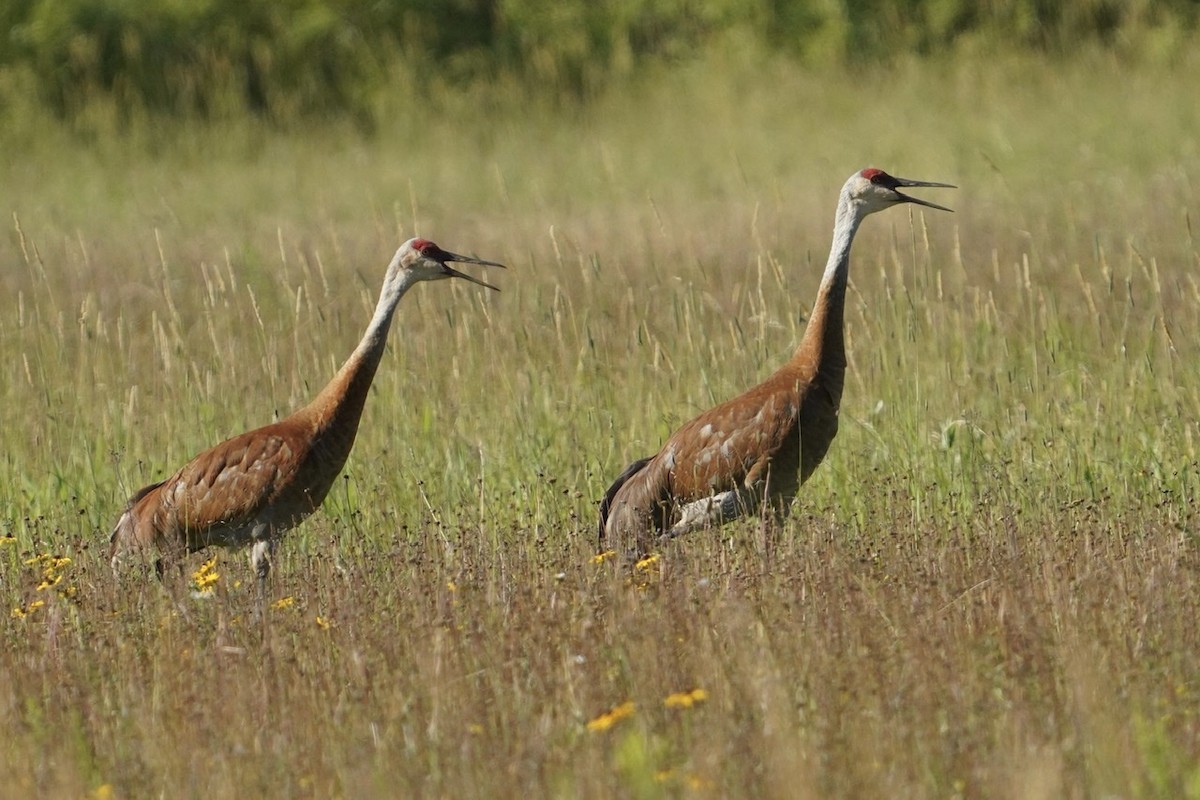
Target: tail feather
(610,495)
(124,532)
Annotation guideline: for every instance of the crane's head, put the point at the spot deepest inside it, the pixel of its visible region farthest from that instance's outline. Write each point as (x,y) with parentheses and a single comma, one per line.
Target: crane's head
(423,260)
(874,190)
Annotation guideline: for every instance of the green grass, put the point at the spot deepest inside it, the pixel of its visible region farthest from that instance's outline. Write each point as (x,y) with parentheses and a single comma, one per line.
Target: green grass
(988,590)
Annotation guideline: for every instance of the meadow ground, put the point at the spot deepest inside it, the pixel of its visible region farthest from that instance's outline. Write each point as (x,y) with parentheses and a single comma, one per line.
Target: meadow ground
(990,589)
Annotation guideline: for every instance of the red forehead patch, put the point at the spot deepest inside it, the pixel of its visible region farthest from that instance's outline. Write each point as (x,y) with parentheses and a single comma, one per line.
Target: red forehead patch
(421,245)
(870,173)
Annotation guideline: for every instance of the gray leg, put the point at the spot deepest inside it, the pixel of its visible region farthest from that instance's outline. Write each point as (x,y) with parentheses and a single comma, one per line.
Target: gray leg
(261,555)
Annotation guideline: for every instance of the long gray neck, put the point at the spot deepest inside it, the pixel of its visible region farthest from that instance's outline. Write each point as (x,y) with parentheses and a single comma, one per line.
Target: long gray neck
(823,346)
(341,401)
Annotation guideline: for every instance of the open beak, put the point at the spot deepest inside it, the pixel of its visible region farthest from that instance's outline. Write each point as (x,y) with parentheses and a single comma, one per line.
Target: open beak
(445,257)
(904,198)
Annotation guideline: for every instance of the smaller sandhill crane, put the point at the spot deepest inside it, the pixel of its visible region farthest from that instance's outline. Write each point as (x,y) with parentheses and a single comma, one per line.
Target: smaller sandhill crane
(251,489)
(751,454)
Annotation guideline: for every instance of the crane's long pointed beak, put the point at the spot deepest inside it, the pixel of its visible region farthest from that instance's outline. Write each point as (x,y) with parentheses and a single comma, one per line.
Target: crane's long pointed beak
(446,256)
(905,198)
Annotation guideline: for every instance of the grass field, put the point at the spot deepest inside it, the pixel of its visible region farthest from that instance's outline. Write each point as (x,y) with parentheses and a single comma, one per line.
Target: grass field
(989,589)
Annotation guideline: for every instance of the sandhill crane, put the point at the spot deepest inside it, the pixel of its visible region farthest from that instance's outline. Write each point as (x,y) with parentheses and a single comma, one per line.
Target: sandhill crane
(751,454)
(254,487)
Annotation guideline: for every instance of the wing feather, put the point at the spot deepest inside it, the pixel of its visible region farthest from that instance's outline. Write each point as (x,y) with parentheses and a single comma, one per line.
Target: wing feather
(606,503)
(232,485)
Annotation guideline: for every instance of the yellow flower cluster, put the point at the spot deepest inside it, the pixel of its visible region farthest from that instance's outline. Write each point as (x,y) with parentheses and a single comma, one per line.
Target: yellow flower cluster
(23,612)
(52,567)
(676,700)
(205,578)
(51,571)
(645,572)
(648,563)
(283,602)
(600,558)
(685,699)
(612,717)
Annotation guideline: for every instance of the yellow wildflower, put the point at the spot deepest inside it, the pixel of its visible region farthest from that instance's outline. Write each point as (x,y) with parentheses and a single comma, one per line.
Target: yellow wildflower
(8,539)
(451,586)
(49,582)
(648,563)
(48,561)
(284,602)
(610,718)
(685,699)
(600,558)
(206,576)
(22,613)
(322,623)
(103,792)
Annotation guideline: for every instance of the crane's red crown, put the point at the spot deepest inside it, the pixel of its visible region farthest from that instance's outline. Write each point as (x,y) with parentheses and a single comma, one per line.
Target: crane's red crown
(879,178)
(423,245)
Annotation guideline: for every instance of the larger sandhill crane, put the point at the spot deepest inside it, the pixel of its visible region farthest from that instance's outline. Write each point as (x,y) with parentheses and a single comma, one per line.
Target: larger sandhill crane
(751,454)
(254,487)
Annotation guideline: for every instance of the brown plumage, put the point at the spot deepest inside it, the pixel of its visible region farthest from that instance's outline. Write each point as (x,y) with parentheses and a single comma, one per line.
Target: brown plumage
(753,452)
(254,487)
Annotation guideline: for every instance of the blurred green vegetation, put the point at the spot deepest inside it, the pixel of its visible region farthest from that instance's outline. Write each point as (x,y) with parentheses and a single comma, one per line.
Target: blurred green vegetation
(292,60)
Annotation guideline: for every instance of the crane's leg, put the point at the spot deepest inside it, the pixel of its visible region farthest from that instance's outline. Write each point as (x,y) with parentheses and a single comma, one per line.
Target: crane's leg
(261,555)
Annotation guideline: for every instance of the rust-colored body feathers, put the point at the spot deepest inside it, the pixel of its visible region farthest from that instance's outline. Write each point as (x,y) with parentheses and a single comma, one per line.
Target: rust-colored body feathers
(250,487)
